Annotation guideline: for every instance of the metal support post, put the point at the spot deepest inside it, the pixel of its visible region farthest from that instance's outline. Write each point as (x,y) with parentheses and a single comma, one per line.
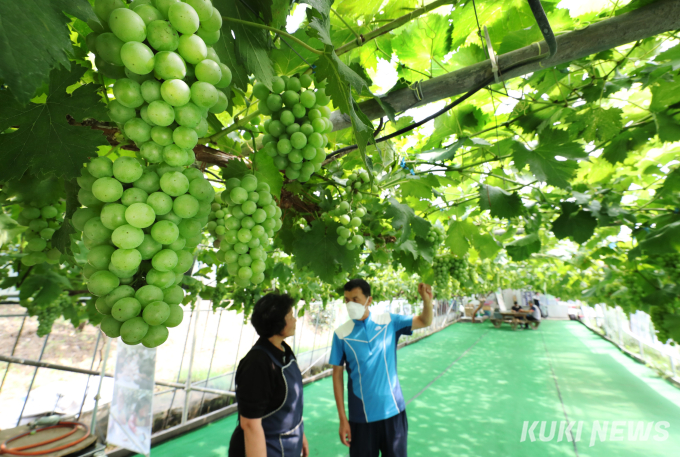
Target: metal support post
(16,342)
(87,385)
(212,357)
(93,424)
(232,384)
(187,387)
(30,386)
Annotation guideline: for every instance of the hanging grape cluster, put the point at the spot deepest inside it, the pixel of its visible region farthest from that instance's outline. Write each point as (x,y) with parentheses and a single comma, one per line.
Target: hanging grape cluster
(449,267)
(358,182)
(41,222)
(164,90)
(348,232)
(244,218)
(671,265)
(140,224)
(436,235)
(296,131)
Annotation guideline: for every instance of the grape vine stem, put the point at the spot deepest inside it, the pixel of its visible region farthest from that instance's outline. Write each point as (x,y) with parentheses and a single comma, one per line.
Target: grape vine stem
(272,29)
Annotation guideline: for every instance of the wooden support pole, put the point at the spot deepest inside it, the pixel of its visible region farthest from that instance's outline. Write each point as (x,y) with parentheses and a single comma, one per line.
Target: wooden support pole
(658,17)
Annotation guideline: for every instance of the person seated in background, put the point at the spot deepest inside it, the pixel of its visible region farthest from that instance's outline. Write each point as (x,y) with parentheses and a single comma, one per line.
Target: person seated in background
(516,308)
(533,314)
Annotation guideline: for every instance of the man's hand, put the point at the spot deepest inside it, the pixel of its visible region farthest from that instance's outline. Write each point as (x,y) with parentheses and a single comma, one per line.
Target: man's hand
(345,433)
(425,291)
(305,446)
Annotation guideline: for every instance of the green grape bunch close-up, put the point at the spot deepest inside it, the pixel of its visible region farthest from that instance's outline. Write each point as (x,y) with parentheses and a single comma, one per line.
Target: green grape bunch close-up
(295,132)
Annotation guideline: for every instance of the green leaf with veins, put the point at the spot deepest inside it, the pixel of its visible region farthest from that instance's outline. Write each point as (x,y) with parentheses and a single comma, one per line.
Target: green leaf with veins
(34,39)
(289,61)
(545,167)
(575,223)
(45,142)
(499,202)
(424,42)
(319,250)
(667,126)
(251,44)
(226,51)
(61,239)
(486,245)
(341,80)
(419,186)
(522,248)
(266,171)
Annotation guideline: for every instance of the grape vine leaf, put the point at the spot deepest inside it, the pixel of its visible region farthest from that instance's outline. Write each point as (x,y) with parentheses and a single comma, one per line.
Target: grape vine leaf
(667,127)
(272,12)
(664,94)
(43,288)
(235,169)
(9,228)
(268,172)
(424,42)
(290,58)
(577,224)
(319,250)
(404,220)
(322,6)
(543,164)
(61,239)
(597,124)
(341,80)
(662,241)
(45,142)
(626,141)
(226,51)
(522,248)
(499,202)
(34,39)
(486,245)
(251,44)
(419,186)
(671,183)
(459,235)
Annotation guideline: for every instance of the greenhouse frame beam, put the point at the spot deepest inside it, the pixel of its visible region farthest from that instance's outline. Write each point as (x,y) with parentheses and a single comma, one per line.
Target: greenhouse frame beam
(54,366)
(650,20)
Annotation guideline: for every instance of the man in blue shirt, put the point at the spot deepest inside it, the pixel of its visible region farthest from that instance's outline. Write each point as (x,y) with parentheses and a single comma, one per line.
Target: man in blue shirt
(366,346)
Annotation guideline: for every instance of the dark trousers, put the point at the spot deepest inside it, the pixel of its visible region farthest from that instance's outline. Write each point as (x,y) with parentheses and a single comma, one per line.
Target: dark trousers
(387,437)
(530,318)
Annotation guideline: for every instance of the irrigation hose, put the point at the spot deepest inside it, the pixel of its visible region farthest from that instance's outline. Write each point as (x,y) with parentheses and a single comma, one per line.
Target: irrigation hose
(19,450)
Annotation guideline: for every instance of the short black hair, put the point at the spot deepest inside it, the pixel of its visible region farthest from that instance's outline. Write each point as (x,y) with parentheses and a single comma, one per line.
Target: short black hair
(360,283)
(269,314)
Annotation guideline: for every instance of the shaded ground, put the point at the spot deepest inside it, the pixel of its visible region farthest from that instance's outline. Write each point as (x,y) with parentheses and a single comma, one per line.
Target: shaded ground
(471,388)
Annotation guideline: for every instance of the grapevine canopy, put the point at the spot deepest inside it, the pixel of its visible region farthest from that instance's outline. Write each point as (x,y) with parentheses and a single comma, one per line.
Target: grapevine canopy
(561,176)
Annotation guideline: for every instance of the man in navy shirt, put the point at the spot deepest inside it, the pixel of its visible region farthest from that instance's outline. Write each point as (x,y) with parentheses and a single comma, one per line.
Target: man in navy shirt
(366,346)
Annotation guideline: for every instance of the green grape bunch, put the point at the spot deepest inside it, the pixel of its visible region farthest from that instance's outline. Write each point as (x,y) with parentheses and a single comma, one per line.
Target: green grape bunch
(41,222)
(348,232)
(450,271)
(140,224)
(671,265)
(436,235)
(164,90)
(243,219)
(358,182)
(297,126)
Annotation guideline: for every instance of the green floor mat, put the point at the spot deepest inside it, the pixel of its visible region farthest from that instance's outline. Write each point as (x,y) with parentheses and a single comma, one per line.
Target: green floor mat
(471,388)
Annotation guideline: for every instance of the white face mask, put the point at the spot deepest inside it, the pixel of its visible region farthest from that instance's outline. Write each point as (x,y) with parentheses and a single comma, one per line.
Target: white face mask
(356,310)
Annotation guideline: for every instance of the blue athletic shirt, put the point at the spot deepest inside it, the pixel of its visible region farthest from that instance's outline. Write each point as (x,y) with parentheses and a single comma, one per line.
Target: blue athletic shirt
(369,351)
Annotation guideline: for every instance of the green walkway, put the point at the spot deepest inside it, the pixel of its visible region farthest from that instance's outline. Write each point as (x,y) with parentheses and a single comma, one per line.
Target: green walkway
(470,389)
